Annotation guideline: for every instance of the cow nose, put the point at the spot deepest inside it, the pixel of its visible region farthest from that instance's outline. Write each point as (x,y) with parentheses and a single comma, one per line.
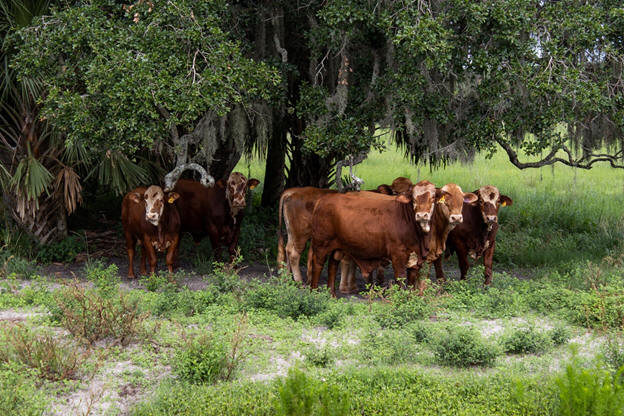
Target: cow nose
(492,219)
(152,216)
(456,218)
(422,216)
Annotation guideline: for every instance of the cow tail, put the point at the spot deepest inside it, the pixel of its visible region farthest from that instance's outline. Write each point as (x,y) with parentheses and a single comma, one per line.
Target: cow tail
(281,249)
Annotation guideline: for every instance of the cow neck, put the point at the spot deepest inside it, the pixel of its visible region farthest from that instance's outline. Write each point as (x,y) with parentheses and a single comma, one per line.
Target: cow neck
(407,215)
(440,229)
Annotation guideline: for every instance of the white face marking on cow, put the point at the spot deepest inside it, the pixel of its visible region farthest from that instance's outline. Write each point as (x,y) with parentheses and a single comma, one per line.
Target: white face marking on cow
(154,204)
(423,201)
(489,198)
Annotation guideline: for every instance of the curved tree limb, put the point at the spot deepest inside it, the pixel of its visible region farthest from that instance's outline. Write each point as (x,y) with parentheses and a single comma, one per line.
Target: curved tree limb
(172,177)
(356,183)
(584,162)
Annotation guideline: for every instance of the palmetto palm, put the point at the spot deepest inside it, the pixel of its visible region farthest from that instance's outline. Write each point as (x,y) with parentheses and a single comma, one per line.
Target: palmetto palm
(40,175)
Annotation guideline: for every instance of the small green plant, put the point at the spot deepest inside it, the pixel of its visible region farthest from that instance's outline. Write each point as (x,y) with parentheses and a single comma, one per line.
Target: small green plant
(300,395)
(224,276)
(401,307)
(105,279)
(590,391)
(526,340)
(201,360)
(419,331)
(319,357)
(154,281)
(459,346)
(559,335)
(64,251)
(52,358)
(613,351)
(19,394)
(388,347)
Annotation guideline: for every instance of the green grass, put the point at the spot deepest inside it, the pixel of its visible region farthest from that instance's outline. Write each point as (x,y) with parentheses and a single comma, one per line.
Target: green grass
(559,214)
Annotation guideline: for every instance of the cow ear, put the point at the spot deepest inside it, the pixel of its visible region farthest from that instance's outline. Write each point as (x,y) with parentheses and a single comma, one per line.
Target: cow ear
(220,184)
(252,183)
(172,196)
(136,197)
(384,189)
(403,199)
(505,201)
(439,196)
(470,198)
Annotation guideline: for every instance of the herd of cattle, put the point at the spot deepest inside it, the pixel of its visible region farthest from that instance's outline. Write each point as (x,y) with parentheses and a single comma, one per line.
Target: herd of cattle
(403,223)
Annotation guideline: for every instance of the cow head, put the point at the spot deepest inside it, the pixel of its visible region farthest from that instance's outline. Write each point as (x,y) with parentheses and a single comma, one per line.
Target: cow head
(401,185)
(450,199)
(490,200)
(422,196)
(154,199)
(236,189)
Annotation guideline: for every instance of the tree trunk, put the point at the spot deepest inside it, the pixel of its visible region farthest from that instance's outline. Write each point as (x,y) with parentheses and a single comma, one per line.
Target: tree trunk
(275,163)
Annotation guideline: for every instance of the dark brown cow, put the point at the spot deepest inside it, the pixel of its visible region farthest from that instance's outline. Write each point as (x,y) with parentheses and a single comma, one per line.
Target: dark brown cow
(217,211)
(476,235)
(371,228)
(151,217)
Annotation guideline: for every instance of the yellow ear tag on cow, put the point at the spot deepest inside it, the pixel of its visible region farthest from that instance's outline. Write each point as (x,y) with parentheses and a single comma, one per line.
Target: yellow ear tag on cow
(252,186)
(504,203)
(441,201)
(170,200)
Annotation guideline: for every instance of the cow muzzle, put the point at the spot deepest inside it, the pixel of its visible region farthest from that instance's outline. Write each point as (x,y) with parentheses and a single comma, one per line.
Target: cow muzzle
(455,219)
(491,219)
(152,218)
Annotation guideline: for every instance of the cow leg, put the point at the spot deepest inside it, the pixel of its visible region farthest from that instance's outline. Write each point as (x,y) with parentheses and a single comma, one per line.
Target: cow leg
(319,255)
(131,246)
(310,265)
(332,269)
(215,242)
(439,270)
(347,276)
(234,243)
(149,250)
(143,259)
(488,257)
(462,257)
(172,254)
(380,275)
(293,257)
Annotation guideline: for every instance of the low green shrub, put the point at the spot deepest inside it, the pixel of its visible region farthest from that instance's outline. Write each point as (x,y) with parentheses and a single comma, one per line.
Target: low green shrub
(53,358)
(285,298)
(559,335)
(201,360)
(601,307)
(460,346)
(613,351)
(388,347)
(300,395)
(319,357)
(420,331)
(526,340)
(19,393)
(104,278)
(154,281)
(590,391)
(401,307)
(64,251)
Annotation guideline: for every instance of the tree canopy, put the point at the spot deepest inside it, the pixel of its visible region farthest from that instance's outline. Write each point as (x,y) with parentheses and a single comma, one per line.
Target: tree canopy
(310,85)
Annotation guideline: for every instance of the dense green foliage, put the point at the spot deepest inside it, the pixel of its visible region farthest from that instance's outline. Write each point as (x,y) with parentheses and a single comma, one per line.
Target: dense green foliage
(464,347)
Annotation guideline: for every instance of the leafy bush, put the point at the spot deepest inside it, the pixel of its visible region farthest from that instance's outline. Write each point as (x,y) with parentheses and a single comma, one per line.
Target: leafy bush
(18,267)
(172,300)
(90,316)
(601,307)
(19,394)
(105,279)
(387,347)
(299,395)
(319,357)
(560,335)
(526,341)
(286,299)
(64,251)
(463,347)
(590,391)
(613,351)
(154,281)
(201,360)
(420,331)
(403,306)
(52,358)
(335,313)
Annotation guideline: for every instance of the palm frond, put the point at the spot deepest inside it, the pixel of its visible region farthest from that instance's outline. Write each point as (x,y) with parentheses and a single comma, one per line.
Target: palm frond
(120,173)
(68,184)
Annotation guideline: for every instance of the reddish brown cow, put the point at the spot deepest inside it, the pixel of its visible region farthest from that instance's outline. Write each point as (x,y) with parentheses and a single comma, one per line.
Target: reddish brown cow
(371,228)
(150,216)
(476,235)
(217,211)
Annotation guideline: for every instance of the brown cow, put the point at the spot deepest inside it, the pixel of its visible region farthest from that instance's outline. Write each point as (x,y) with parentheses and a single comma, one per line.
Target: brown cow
(476,235)
(371,228)
(217,211)
(150,216)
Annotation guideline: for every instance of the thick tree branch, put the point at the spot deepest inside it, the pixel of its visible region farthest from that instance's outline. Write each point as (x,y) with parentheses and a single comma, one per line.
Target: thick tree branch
(172,177)
(585,162)
(356,183)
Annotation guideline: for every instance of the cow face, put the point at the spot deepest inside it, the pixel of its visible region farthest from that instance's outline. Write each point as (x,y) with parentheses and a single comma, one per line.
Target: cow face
(401,185)
(154,199)
(450,199)
(422,198)
(490,200)
(236,190)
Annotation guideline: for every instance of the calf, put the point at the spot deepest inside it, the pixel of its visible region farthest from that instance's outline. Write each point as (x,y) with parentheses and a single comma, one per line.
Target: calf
(371,229)
(476,235)
(217,211)
(150,216)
